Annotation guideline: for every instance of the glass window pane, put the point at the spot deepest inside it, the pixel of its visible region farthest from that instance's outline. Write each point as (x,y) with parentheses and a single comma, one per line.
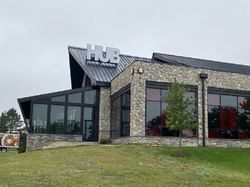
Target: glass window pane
(164,92)
(190,95)
(125,129)
(153,94)
(89,130)
(243,102)
(228,100)
(88,113)
(73,122)
(153,113)
(126,99)
(125,116)
(75,98)
(163,106)
(228,118)
(213,99)
(39,118)
(90,97)
(58,99)
(213,117)
(57,119)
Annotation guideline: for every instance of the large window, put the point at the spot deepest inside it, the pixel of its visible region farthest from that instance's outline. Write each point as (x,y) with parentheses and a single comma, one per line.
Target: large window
(227,116)
(120,120)
(125,114)
(57,119)
(73,120)
(66,113)
(39,118)
(156,113)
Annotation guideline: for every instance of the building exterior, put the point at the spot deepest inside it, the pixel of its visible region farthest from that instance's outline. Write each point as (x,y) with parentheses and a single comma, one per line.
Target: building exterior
(119,98)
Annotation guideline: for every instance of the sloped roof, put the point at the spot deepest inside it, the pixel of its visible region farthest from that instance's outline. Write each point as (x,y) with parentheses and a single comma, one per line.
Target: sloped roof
(97,72)
(201,63)
(102,74)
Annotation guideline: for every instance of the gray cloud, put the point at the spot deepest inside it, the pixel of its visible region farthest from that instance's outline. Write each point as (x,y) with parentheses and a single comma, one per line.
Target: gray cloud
(34,36)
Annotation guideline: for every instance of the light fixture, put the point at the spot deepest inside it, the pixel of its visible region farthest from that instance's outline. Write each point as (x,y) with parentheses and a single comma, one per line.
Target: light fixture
(140,70)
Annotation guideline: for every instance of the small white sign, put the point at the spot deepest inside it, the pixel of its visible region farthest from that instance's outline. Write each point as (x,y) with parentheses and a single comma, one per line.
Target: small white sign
(111,55)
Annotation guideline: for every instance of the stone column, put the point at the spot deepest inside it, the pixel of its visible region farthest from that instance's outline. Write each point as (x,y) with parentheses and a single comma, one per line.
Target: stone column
(138,96)
(200,125)
(104,114)
(202,117)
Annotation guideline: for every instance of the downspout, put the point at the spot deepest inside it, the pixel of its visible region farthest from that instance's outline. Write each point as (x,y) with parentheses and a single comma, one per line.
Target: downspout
(203,77)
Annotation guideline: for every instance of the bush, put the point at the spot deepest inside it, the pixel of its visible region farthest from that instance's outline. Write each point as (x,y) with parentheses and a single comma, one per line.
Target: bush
(105,141)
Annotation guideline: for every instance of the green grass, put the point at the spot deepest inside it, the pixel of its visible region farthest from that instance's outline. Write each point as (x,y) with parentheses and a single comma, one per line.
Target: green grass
(126,165)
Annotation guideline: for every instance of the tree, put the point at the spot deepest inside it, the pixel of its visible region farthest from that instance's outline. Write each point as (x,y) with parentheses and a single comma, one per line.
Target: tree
(3,122)
(180,111)
(9,120)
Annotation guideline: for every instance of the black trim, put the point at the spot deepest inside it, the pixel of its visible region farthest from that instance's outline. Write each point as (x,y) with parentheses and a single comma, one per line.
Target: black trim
(52,94)
(155,84)
(214,90)
(46,99)
(121,91)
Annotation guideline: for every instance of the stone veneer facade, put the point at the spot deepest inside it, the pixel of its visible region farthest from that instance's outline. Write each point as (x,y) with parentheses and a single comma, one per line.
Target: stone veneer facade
(43,141)
(104,114)
(165,73)
(154,72)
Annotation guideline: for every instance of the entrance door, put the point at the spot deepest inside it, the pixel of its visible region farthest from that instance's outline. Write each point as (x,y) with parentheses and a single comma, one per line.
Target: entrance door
(89,124)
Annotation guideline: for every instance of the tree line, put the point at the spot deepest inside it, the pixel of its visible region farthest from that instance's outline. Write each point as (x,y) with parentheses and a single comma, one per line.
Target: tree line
(10,121)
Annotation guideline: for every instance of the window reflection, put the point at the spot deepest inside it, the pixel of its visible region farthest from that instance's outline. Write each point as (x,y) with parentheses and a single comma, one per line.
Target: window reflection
(227,100)
(73,122)
(153,94)
(156,114)
(90,97)
(228,119)
(125,115)
(64,114)
(213,99)
(58,99)
(75,98)
(39,118)
(57,119)
(88,123)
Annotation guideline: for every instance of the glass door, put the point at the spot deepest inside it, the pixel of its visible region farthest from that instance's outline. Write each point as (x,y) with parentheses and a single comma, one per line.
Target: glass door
(88,124)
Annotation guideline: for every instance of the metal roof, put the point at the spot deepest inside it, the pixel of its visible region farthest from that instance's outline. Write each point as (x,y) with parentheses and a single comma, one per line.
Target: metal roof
(201,63)
(100,72)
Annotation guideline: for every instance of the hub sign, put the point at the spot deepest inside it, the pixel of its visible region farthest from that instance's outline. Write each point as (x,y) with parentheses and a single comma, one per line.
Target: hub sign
(111,55)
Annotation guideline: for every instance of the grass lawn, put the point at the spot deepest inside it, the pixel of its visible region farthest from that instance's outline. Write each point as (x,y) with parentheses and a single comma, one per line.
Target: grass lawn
(126,165)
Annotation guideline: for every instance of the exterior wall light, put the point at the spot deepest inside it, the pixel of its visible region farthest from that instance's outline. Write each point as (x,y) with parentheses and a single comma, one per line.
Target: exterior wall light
(140,70)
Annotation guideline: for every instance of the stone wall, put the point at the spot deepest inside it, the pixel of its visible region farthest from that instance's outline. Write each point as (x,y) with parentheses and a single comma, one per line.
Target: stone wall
(42,141)
(228,143)
(186,142)
(104,114)
(123,79)
(165,73)
(154,140)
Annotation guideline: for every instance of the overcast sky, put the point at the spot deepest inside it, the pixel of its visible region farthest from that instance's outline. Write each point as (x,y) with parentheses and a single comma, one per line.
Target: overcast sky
(34,36)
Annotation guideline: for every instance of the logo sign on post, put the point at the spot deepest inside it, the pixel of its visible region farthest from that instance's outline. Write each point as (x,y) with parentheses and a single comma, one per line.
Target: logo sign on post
(111,55)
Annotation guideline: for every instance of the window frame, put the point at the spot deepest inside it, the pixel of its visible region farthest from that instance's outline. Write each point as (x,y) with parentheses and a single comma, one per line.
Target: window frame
(166,86)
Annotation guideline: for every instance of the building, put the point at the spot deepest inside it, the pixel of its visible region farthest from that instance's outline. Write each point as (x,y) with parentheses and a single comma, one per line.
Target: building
(119,97)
